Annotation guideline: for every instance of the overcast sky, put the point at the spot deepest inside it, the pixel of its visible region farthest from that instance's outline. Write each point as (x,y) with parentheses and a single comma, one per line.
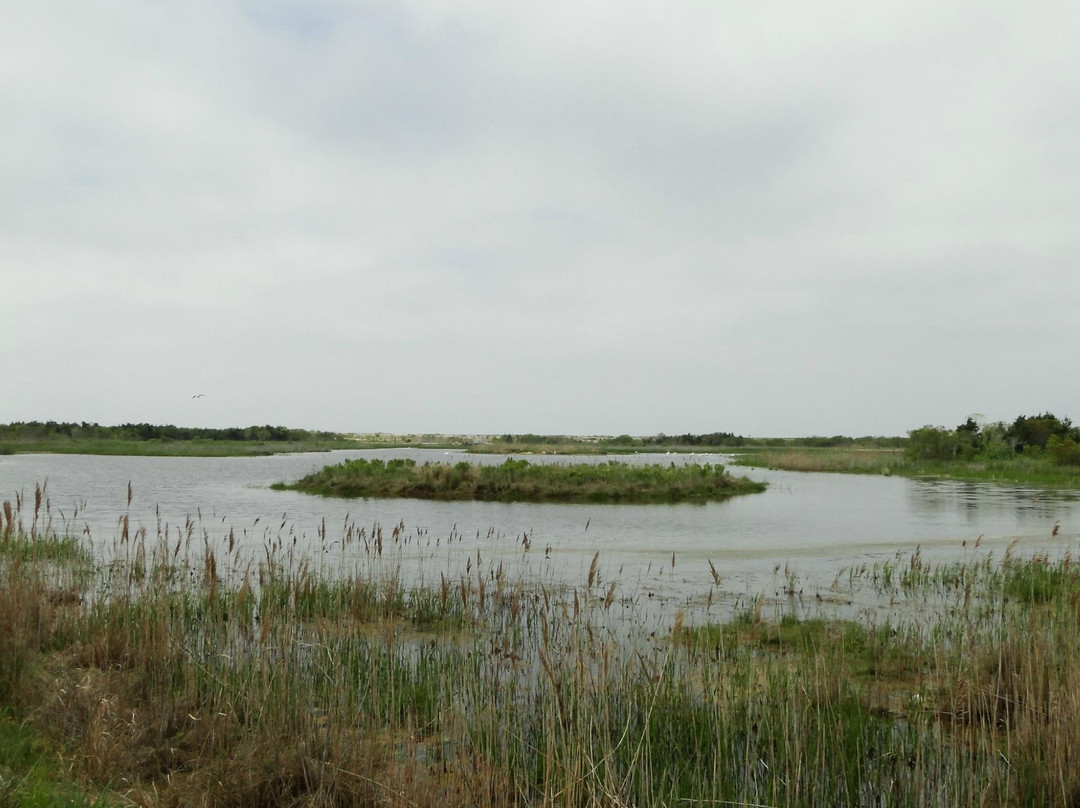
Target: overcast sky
(768,218)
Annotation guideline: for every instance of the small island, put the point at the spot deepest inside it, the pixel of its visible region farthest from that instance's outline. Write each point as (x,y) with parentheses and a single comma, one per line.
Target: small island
(521,481)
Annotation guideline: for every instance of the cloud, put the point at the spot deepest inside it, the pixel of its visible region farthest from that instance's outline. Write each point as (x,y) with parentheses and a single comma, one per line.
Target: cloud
(780,219)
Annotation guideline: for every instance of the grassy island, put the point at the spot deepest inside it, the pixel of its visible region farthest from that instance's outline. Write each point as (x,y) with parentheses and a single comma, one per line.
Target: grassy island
(521,481)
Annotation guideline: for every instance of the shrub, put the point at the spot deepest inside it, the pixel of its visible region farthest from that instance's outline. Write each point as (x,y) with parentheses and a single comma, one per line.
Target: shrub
(1063,451)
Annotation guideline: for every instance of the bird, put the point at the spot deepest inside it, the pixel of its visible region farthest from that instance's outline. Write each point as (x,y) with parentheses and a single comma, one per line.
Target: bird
(198,395)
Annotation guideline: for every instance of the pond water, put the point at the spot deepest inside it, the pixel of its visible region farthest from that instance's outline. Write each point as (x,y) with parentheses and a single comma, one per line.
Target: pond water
(805,525)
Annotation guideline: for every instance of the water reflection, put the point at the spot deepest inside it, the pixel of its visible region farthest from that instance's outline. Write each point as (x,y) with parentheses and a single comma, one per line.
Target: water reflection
(977,503)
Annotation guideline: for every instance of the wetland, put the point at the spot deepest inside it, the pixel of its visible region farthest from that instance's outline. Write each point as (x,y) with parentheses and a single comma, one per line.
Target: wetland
(176,632)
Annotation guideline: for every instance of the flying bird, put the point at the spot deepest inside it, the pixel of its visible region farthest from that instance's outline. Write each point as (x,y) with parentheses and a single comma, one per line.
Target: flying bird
(198,395)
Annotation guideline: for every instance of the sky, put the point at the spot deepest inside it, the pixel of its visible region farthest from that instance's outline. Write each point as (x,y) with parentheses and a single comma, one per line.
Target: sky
(473,216)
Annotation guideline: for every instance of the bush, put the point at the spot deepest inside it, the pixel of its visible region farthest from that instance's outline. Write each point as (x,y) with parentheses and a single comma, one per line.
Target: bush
(1036,430)
(1063,451)
(933,443)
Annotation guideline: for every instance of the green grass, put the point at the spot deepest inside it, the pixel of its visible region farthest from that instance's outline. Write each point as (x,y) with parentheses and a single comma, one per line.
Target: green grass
(1018,469)
(47,548)
(31,775)
(863,653)
(830,459)
(520,481)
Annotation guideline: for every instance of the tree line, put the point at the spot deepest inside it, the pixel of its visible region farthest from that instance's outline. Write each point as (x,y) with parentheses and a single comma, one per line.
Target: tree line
(716,440)
(730,440)
(1042,435)
(27,431)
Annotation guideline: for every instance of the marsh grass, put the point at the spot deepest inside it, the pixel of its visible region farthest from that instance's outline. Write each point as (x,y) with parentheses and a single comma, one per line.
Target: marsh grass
(1034,470)
(521,481)
(186,674)
(850,460)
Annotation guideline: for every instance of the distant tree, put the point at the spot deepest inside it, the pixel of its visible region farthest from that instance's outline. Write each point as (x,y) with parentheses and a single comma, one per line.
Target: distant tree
(1027,431)
(1063,451)
(968,438)
(932,443)
(993,444)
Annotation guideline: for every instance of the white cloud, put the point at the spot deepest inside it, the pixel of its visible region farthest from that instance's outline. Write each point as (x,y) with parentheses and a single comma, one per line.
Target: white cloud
(778,219)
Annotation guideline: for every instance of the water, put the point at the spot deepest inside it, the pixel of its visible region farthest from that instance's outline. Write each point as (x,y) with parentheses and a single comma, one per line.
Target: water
(809,525)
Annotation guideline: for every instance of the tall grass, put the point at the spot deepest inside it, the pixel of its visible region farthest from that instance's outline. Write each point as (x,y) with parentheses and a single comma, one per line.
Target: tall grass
(846,459)
(181,673)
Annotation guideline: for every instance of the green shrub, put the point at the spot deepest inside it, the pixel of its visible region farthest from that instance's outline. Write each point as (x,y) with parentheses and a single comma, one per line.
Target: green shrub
(1063,451)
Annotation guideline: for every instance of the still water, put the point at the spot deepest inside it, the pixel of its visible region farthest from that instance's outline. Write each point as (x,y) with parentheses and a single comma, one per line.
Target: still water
(808,525)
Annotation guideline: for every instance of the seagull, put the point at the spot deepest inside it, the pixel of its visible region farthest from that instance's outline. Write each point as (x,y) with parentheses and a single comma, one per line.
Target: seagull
(198,395)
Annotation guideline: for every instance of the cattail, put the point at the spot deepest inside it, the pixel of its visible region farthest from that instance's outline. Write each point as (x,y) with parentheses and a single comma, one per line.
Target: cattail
(592,569)
(715,574)
(210,566)
(610,596)
(244,593)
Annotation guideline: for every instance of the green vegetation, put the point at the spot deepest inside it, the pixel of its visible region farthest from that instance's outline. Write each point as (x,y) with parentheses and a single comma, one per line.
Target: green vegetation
(537,444)
(1026,468)
(839,459)
(183,673)
(151,439)
(30,774)
(529,443)
(1033,436)
(1039,450)
(717,441)
(521,481)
